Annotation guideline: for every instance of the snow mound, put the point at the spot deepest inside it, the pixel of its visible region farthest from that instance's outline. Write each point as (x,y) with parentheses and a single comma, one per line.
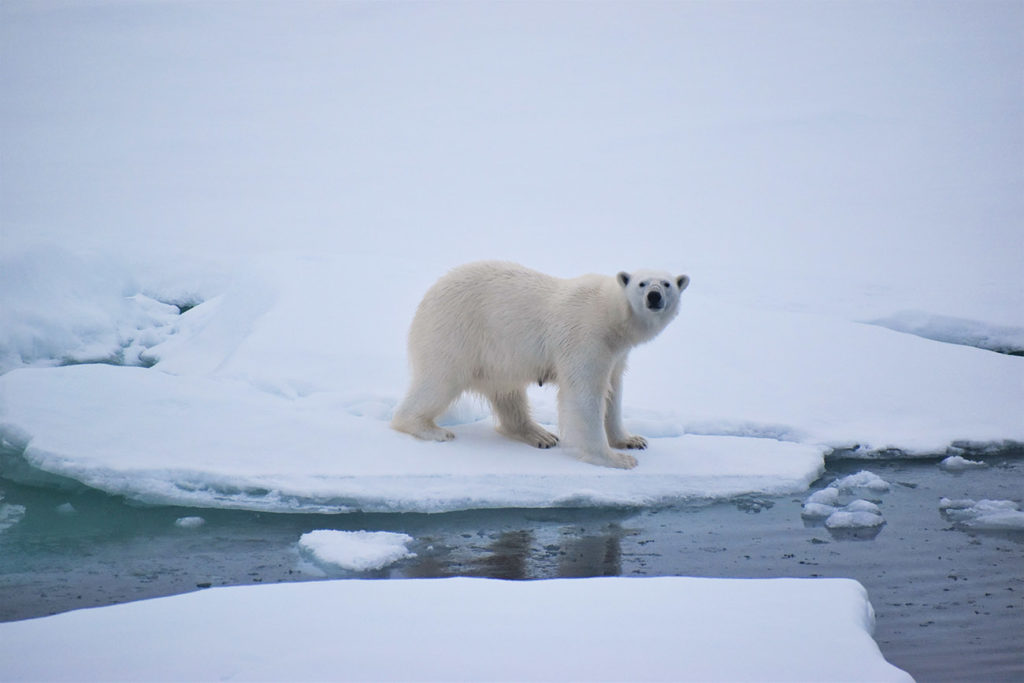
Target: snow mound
(356,550)
(992,515)
(58,308)
(680,629)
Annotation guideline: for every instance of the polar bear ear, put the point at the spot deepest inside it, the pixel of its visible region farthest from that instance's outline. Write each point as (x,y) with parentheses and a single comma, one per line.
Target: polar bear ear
(623,278)
(683,281)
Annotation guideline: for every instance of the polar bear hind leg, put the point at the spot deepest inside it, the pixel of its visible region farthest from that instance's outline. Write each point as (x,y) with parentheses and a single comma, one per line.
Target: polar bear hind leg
(428,398)
(514,421)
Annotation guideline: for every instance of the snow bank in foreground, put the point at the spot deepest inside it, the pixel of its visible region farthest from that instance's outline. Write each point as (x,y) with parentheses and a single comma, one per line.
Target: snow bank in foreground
(990,515)
(607,629)
(356,550)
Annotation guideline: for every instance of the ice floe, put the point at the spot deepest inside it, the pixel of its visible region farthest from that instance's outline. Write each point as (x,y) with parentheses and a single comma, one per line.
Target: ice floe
(992,515)
(680,629)
(356,550)
(159,438)
(266,396)
(190,522)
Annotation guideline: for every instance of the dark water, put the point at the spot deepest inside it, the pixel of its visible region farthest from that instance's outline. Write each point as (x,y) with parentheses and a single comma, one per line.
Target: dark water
(948,600)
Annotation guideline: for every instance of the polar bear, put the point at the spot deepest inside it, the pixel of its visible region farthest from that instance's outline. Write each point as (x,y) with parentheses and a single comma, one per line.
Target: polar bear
(494,328)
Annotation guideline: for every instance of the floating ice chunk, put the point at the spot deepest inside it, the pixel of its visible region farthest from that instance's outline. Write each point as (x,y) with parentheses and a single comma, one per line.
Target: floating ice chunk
(189,522)
(356,550)
(858,514)
(983,514)
(826,496)
(863,506)
(846,519)
(817,510)
(821,504)
(862,481)
(66,509)
(958,463)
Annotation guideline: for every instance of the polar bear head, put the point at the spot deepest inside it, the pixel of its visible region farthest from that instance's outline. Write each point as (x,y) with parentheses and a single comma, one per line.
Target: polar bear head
(653,293)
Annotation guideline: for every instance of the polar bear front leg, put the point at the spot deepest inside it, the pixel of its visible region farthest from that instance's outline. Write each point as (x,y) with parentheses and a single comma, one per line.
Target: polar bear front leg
(618,437)
(581,414)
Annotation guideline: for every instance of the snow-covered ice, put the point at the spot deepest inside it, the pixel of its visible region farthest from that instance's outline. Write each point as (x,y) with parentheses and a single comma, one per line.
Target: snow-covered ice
(264,396)
(994,515)
(622,629)
(356,550)
(298,225)
(220,443)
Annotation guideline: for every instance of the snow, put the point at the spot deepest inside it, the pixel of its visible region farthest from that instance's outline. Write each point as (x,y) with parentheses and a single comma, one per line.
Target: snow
(356,550)
(990,515)
(487,630)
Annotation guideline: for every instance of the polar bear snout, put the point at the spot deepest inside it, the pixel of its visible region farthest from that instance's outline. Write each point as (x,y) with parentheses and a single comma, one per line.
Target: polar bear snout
(655,301)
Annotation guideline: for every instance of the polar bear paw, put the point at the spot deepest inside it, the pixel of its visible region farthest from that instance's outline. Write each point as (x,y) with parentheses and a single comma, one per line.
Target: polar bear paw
(623,461)
(608,458)
(535,435)
(428,431)
(636,442)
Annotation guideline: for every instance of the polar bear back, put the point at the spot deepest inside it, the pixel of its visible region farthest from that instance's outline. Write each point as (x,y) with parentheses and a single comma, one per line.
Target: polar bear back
(492,323)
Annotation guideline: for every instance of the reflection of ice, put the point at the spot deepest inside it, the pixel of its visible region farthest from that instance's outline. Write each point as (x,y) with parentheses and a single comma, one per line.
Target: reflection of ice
(10,514)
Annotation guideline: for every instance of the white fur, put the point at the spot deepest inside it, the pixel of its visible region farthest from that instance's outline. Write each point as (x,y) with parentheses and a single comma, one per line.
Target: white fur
(494,328)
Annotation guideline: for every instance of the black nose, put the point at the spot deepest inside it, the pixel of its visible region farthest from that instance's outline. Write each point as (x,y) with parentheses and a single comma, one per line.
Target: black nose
(654,299)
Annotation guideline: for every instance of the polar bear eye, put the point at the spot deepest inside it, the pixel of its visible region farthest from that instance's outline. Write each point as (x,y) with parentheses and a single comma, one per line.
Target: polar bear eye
(666,285)
(643,284)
